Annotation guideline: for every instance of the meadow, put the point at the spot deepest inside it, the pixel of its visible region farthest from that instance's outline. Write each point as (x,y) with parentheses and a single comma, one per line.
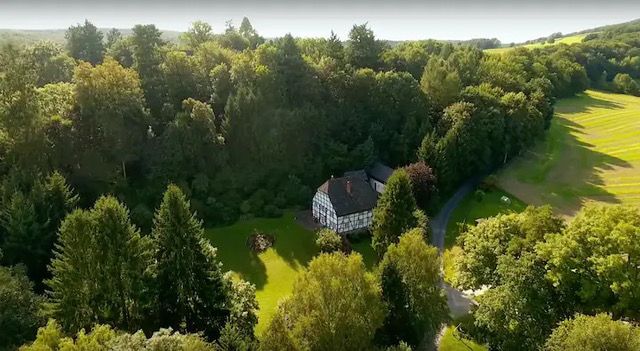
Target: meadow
(590,153)
(273,271)
(573,39)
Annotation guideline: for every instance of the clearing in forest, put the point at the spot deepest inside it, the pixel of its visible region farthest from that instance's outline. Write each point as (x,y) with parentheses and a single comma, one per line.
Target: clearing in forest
(590,153)
(273,271)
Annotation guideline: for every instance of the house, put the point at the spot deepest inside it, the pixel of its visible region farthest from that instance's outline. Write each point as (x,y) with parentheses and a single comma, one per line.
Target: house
(346,204)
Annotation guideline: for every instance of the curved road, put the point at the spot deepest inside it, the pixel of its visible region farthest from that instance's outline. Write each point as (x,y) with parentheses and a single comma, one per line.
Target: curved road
(440,221)
(459,303)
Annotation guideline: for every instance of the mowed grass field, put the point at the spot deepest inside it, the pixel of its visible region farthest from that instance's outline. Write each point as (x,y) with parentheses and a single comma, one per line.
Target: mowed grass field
(273,271)
(590,153)
(573,39)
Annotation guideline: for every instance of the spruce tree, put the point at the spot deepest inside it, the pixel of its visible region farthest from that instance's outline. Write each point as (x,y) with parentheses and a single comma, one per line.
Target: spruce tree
(192,292)
(101,270)
(394,213)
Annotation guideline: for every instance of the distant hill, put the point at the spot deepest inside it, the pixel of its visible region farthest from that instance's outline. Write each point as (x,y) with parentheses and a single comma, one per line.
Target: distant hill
(26,36)
(571,38)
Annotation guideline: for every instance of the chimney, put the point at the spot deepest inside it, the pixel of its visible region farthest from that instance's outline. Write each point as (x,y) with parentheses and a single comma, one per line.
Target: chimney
(349,187)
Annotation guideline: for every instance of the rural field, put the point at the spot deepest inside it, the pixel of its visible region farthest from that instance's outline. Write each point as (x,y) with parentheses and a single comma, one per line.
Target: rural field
(590,153)
(573,39)
(273,271)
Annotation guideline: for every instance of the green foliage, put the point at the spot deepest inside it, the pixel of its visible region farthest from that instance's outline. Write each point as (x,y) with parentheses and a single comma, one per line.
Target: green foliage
(101,270)
(110,123)
(84,42)
(521,310)
(243,309)
(50,63)
(335,305)
(623,83)
(504,234)
(595,259)
(394,213)
(539,272)
(440,83)
(199,33)
(192,296)
(363,50)
(103,337)
(591,333)
(328,241)
(410,279)
(19,308)
(29,222)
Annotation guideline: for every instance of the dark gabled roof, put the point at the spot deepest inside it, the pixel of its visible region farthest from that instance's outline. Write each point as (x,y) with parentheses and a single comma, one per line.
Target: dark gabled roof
(379,172)
(361,198)
(357,174)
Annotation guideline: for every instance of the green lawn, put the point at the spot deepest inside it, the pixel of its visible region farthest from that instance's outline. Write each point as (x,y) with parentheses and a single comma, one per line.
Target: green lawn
(573,39)
(472,208)
(273,271)
(452,341)
(590,153)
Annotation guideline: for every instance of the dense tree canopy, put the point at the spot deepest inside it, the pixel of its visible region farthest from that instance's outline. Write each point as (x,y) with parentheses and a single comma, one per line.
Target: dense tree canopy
(19,308)
(335,305)
(410,280)
(591,333)
(539,271)
(246,126)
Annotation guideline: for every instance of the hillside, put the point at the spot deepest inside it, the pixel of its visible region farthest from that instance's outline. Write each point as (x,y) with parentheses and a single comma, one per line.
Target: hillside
(24,36)
(591,153)
(572,39)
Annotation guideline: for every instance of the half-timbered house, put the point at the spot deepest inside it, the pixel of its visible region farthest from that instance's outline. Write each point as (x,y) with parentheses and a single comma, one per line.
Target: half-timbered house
(346,204)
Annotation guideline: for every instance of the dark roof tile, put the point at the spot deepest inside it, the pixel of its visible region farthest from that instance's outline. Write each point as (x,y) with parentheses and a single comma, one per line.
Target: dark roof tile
(361,198)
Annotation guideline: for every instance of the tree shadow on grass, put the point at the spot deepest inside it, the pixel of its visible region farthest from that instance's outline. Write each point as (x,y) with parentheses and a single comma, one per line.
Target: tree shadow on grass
(294,244)
(567,171)
(236,256)
(583,103)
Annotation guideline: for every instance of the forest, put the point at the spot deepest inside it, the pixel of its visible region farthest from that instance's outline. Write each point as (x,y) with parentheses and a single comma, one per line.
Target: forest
(116,150)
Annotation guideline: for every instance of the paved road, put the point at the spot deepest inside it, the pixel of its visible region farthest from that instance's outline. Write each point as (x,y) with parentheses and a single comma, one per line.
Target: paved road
(459,303)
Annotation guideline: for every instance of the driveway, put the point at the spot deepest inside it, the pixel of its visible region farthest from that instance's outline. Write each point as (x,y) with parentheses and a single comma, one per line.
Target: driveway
(459,303)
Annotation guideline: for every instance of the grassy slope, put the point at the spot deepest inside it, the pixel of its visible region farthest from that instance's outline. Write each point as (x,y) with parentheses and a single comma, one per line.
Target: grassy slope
(451,341)
(273,271)
(591,152)
(566,40)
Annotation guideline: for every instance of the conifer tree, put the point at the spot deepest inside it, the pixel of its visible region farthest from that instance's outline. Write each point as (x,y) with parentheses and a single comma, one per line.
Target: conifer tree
(193,294)
(101,270)
(395,212)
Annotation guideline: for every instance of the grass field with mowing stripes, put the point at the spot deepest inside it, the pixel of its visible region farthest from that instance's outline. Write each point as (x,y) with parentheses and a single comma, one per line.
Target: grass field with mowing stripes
(590,153)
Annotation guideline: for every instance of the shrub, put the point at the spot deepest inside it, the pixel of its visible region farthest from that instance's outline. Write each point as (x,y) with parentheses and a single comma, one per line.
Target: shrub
(19,318)
(328,240)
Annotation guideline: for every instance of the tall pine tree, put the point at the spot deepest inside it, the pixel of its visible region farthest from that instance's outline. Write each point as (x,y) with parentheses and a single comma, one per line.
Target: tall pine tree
(193,294)
(395,212)
(101,270)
